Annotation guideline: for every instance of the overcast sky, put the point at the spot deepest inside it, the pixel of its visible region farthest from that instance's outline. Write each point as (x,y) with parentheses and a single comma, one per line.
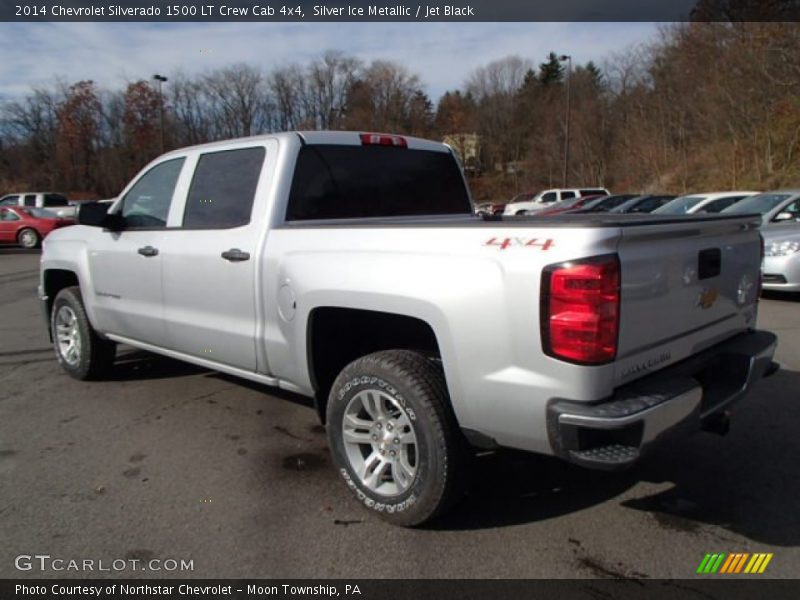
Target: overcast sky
(442,54)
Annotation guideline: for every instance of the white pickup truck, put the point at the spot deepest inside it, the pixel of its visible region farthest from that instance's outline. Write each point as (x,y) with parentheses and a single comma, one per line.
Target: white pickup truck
(349,268)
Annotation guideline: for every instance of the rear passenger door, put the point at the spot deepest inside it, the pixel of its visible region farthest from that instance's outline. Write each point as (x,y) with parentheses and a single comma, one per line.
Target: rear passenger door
(211,260)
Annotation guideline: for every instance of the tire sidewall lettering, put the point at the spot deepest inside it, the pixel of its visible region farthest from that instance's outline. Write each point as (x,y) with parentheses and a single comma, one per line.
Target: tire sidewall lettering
(383,505)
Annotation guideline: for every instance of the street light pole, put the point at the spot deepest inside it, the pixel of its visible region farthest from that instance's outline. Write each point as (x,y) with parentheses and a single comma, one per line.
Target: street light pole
(568,60)
(161,79)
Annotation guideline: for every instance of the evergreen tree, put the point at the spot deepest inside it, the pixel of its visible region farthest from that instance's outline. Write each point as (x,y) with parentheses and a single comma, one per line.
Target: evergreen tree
(552,71)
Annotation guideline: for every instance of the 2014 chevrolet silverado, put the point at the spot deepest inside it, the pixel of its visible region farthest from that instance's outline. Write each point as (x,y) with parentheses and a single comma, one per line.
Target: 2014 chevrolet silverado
(349,268)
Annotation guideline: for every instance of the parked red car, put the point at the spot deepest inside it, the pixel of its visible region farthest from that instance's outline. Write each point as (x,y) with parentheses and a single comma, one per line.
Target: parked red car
(28,226)
(568,204)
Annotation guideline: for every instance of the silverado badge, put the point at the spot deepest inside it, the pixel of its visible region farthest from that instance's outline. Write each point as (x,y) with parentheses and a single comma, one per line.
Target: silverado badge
(707,298)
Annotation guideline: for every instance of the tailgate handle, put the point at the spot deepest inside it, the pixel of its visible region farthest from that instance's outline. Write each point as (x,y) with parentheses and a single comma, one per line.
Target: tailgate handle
(709,263)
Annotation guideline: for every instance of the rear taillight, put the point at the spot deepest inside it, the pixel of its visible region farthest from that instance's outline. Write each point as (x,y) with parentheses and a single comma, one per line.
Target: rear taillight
(580,310)
(383,139)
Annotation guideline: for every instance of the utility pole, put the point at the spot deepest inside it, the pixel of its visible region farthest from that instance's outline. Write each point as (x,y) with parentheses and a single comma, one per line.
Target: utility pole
(161,79)
(568,60)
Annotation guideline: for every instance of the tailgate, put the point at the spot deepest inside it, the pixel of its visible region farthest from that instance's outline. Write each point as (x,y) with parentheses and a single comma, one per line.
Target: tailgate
(686,285)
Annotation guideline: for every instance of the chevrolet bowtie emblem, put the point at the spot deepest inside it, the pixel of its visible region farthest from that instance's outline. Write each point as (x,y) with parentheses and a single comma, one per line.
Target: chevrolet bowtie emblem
(707,298)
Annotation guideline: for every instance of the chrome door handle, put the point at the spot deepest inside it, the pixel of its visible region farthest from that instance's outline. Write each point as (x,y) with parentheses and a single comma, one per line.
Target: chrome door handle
(148,251)
(235,255)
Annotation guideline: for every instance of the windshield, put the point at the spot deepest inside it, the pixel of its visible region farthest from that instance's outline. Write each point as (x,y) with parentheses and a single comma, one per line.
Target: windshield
(679,206)
(761,204)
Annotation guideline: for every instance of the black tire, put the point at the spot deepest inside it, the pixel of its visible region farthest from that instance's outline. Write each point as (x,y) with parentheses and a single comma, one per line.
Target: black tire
(416,384)
(29,234)
(94,356)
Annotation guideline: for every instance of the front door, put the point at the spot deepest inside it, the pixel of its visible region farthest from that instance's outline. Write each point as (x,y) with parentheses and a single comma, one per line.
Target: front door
(126,266)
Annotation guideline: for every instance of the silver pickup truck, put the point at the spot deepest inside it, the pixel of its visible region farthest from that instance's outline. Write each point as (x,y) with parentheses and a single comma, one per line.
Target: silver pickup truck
(349,268)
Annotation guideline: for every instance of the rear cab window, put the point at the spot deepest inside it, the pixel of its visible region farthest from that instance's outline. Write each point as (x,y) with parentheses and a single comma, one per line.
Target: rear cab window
(351,182)
(29,200)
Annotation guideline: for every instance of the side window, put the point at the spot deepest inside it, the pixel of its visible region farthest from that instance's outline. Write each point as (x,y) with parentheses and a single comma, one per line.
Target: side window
(793,209)
(30,200)
(51,200)
(566,195)
(147,203)
(223,188)
(8,215)
(9,201)
(550,197)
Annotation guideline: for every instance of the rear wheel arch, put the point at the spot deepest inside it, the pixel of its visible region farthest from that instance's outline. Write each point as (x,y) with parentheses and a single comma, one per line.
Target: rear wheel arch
(336,336)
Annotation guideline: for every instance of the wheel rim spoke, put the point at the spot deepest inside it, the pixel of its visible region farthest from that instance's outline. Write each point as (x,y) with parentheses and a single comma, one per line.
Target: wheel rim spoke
(379,442)
(357,437)
(68,336)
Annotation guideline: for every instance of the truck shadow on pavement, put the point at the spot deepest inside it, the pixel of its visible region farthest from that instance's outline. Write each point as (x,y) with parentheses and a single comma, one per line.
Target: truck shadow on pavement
(134,364)
(781,296)
(745,482)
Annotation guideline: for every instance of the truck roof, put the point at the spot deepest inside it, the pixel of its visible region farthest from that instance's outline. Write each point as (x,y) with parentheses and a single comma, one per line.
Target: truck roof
(346,138)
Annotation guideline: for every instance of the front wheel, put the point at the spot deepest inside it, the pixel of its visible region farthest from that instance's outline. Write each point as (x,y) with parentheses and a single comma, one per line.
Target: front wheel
(80,351)
(394,437)
(29,238)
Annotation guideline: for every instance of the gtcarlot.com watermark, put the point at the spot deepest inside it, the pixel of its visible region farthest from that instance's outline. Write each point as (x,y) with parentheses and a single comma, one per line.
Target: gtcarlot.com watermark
(45,562)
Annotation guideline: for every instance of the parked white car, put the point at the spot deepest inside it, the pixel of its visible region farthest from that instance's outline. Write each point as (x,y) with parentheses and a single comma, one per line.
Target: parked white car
(781,271)
(781,206)
(548,198)
(55,203)
(708,202)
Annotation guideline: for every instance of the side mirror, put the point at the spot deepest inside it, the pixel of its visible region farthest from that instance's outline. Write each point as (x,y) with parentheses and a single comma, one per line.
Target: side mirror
(784,216)
(95,214)
(92,213)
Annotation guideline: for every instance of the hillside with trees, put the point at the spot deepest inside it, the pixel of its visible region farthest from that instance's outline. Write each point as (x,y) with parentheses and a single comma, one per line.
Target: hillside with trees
(703,106)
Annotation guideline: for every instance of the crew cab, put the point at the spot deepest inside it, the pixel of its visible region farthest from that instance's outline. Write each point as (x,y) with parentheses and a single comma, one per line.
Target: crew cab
(349,268)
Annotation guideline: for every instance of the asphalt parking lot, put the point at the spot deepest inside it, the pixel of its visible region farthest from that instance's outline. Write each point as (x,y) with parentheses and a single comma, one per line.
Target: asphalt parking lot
(171,461)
